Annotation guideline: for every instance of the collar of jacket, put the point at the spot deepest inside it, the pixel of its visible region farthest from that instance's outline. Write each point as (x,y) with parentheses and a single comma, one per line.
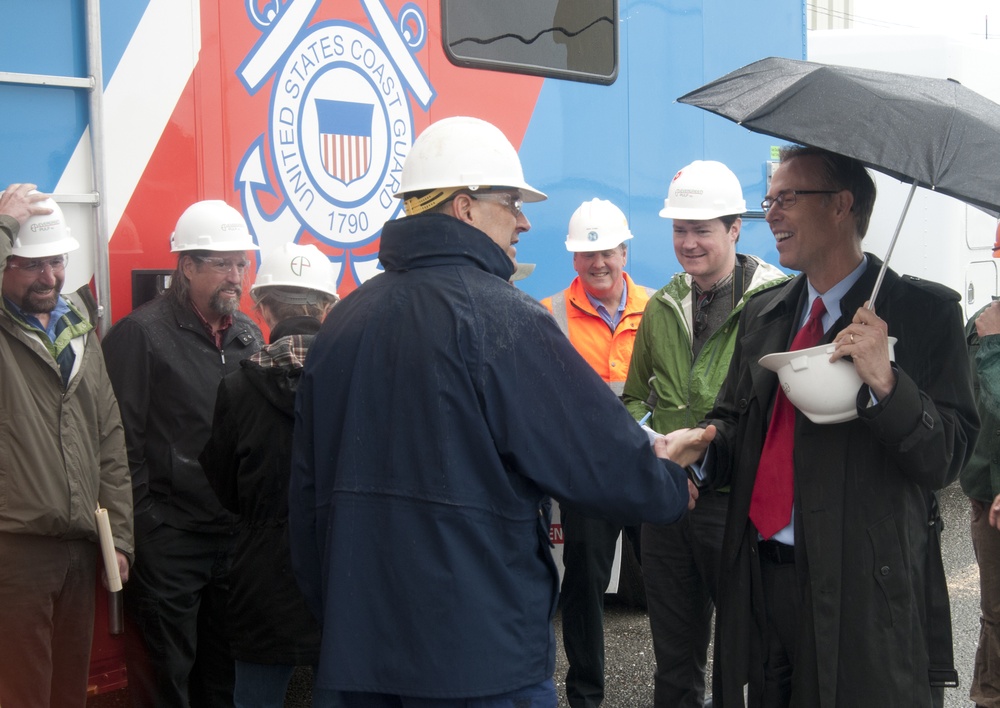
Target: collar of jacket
(678,293)
(187,318)
(294,325)
(427,240)
(791,296)
(635,299)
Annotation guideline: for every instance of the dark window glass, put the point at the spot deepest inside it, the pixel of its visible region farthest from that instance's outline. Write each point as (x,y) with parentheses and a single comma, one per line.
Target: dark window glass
(568,39)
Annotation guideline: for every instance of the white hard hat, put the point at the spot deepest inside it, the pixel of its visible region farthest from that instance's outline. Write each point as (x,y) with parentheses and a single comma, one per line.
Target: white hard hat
(826,392)
(211,225)
(703,190)
(46,235)
(597,225)
(299,266)
(463,152)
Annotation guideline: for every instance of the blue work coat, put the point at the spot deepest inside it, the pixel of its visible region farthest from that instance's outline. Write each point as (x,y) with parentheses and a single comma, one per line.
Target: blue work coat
(439,409)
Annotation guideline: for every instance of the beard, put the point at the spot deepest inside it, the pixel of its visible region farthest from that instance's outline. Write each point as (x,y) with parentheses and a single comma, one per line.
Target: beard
(226,305)
(37,303)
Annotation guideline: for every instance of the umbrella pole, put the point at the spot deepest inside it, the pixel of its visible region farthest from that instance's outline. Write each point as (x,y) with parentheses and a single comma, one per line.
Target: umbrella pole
(892,245)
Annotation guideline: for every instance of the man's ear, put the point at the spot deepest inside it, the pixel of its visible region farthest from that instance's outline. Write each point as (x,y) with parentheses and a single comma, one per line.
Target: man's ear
(735,229)
(461,207)
(843,201)
(187,265)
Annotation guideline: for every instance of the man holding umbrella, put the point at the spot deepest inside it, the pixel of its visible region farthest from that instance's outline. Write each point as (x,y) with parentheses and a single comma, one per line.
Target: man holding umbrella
(832,591)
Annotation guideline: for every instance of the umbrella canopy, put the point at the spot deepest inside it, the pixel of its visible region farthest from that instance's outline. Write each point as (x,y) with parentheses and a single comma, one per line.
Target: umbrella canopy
(930,132)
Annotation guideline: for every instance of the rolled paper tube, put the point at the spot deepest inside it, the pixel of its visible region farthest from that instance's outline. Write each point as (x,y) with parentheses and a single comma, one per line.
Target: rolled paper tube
(108,550)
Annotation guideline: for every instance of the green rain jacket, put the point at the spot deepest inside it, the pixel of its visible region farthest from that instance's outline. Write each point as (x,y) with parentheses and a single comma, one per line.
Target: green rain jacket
(686,387)
(980,478)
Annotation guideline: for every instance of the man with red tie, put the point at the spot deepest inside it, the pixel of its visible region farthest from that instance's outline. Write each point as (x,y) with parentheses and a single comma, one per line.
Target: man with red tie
(832,590)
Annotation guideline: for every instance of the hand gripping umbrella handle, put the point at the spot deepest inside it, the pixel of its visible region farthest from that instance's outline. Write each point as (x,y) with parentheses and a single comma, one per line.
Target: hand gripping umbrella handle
(892,245)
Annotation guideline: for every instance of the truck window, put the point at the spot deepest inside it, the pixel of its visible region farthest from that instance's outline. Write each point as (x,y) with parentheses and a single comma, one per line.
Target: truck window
(567,39)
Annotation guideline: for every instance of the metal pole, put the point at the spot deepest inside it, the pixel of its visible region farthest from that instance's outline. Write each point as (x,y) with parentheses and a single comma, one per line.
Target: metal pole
(892,245)
(102,275)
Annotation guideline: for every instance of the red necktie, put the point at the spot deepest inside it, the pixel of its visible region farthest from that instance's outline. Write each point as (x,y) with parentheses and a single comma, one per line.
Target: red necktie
(771,502)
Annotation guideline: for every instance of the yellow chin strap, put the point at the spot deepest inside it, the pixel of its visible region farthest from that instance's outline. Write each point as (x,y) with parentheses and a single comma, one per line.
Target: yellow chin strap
(418,205)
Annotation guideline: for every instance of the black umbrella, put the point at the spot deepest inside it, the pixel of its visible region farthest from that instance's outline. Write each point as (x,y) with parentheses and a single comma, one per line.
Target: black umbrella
(934,133)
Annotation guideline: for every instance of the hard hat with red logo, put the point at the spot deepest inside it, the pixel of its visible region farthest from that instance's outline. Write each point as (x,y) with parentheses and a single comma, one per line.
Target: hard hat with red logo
(703,190)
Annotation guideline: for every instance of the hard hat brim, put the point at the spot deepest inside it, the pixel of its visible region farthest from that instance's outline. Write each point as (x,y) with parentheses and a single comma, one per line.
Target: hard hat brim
(43,250)
(698,214)
(528,193)
(595,246)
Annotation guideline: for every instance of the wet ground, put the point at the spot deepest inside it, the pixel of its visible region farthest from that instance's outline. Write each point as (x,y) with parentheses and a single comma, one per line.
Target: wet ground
(629,649)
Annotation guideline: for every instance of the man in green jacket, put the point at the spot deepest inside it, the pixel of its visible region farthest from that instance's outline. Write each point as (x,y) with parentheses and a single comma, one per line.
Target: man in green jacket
(681,355)
(980,481)
(62,455)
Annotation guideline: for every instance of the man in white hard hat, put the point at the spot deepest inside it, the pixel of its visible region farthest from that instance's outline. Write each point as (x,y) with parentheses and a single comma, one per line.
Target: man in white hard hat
(599,312)
(439,409)
(247,461)
(63,457)
(682,353)
(166,359)
(832,589)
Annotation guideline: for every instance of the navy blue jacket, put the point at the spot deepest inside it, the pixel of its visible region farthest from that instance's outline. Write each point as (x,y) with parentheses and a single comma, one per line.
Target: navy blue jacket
(439,408)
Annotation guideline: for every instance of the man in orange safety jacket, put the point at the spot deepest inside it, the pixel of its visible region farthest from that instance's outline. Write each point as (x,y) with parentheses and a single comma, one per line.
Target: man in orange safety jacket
(599,312)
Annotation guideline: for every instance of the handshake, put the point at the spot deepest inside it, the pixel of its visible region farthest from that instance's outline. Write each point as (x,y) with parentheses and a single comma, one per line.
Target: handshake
(685,447)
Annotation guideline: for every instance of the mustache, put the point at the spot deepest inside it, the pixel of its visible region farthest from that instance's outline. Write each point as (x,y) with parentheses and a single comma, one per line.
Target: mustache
(38,288)
(238,289)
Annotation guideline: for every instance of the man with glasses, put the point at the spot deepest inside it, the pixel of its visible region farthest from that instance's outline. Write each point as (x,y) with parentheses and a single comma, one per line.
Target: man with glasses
(63,457)
(439,409)
(599,312)
(832,590)
(166,360)
(682,353)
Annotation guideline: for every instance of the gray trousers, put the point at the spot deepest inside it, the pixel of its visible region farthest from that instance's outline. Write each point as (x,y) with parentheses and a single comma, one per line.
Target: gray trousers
(47,595)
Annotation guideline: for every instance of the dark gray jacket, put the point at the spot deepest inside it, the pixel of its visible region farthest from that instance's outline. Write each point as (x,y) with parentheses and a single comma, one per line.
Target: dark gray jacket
(166,371)
(874,596)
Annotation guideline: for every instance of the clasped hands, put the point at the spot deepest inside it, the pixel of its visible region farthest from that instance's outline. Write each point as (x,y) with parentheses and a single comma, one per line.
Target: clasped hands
(685,447)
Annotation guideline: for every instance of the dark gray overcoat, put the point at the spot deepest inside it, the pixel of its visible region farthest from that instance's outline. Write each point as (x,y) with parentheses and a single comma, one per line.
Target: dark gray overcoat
(875,623)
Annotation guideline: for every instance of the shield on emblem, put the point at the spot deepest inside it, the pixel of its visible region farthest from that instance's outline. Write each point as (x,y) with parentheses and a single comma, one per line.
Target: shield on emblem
(345,138)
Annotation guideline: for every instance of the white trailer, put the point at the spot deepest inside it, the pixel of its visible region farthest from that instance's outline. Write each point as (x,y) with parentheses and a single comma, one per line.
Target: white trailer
(942,239)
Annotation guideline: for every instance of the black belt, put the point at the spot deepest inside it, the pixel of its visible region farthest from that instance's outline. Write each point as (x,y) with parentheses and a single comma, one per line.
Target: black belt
(776,552)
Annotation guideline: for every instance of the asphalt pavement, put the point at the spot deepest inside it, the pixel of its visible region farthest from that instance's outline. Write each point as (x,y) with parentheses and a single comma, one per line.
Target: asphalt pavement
(629,649)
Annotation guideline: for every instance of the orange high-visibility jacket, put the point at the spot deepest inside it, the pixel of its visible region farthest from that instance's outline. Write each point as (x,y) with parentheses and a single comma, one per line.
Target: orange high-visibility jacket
(607,352)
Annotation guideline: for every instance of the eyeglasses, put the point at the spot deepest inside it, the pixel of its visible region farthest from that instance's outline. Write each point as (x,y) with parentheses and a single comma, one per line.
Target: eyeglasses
(701,311)
(223,265)
(511,202)
(35,267)
(788,197)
